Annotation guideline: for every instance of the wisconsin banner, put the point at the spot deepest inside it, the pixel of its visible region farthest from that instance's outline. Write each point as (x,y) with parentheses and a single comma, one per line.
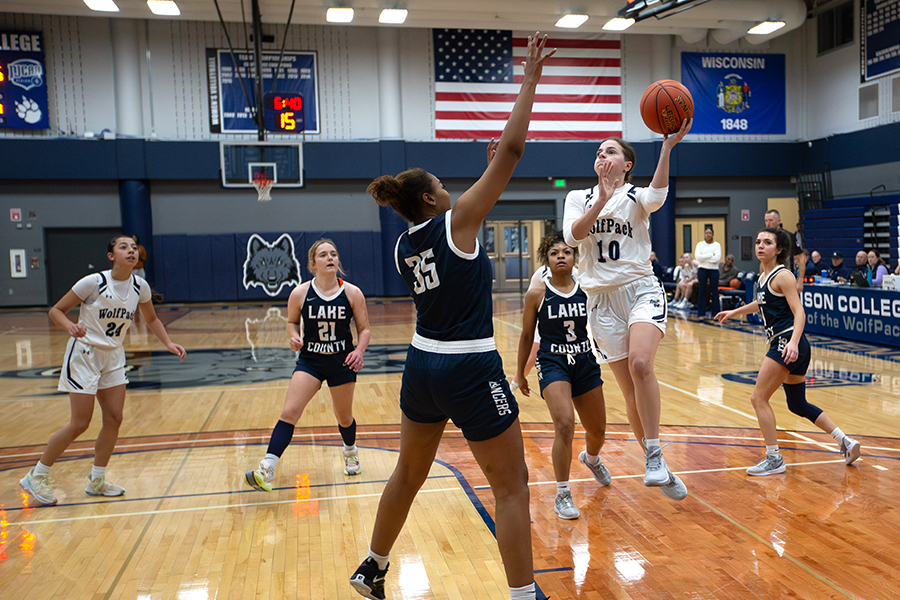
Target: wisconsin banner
(735,93)
(478,74)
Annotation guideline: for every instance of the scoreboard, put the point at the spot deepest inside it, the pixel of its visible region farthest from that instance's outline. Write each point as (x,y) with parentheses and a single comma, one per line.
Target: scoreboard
(284,112)
(23,81)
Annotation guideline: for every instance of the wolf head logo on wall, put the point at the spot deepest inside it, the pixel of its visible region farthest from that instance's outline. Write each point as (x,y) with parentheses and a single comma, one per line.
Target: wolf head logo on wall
(271,266)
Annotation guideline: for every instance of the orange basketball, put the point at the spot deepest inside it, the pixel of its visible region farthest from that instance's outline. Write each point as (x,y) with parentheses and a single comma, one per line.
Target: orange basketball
(665,104)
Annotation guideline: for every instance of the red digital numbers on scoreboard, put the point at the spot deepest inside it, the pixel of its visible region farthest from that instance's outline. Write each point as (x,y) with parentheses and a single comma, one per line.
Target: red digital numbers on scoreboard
(284,112)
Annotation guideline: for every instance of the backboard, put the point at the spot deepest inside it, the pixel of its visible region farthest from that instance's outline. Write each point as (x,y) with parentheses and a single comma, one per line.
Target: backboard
(282,162)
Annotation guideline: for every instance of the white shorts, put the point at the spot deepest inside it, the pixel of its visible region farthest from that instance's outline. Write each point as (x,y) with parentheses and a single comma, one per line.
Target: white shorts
(87,369)
(613,312)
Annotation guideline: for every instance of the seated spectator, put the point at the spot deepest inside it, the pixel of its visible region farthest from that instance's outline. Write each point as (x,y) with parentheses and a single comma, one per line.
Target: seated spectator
(810,270)
(862,264)
(816,259)
(837,272)
(727,271)
(876,268)
(685,281)
(658,269)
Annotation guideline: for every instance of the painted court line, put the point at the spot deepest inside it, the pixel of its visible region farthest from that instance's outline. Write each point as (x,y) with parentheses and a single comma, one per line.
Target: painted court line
(217,507)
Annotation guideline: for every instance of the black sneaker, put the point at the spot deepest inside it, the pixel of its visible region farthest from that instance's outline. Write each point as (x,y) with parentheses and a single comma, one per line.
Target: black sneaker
(368,579)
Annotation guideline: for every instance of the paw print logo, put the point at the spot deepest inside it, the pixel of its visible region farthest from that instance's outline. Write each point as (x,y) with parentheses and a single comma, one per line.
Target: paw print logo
(28,110)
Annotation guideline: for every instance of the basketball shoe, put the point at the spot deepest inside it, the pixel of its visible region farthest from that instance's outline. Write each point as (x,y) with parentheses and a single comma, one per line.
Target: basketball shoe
(351,464)
(38,486)
(657,474)
(770,465)
(675,489)
(261,478)
(850,448)
(599,470)
(564,506)
(368,579)
(101,487)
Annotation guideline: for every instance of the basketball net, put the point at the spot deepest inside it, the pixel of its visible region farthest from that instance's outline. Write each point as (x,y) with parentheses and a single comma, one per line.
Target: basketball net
(263,188)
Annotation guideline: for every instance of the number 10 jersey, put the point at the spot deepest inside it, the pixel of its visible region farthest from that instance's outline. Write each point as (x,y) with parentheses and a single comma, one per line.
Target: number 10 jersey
(617,249)
(451,288)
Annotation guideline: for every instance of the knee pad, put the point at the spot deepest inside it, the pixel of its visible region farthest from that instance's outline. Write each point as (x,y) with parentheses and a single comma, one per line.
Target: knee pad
(796,401)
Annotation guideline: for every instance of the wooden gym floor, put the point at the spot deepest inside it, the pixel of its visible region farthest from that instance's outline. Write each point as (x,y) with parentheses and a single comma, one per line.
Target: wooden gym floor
(190,529)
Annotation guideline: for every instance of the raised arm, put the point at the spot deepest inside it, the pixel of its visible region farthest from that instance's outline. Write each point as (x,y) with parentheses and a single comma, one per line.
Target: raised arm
(474,205)
(661,176)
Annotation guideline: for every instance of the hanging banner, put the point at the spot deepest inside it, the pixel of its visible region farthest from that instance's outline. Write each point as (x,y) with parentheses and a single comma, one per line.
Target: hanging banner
(23,81)
(880,36)
(229,111)
(736,93)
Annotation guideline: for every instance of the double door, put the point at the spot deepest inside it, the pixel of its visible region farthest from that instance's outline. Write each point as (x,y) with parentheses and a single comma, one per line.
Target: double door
(690,231)
(512,248)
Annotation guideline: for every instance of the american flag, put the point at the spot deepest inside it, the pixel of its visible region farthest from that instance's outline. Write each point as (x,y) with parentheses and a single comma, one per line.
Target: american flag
(478,74)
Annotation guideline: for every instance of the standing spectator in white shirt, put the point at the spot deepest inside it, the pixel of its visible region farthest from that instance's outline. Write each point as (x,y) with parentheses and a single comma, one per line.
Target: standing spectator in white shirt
(708,254)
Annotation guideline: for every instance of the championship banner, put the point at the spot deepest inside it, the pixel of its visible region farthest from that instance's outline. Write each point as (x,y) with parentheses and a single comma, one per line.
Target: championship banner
(880,38)
(736,93)
(228,108)
(23,81)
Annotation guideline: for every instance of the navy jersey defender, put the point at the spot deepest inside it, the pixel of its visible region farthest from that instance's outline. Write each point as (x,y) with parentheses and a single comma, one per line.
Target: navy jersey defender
(326,322)
(451,289)
(453,363)
(778,319)
(562,321)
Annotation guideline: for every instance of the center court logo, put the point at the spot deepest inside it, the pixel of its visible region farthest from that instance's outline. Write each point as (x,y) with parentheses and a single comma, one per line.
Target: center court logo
(211,367)
(815,378)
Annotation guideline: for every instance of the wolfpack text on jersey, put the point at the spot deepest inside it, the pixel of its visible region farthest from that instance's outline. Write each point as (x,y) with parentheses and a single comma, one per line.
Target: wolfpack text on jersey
(108,307)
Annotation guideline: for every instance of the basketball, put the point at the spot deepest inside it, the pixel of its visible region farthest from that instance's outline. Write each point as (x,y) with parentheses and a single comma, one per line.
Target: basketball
(665,104)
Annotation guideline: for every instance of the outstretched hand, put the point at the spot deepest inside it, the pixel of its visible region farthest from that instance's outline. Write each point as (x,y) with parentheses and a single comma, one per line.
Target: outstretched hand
(605,187)
(534,57)
(674,138)
(492,150)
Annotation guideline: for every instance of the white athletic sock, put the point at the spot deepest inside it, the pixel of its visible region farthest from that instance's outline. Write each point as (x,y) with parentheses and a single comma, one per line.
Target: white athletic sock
(771,449)
(837,434)
(349,450)
(562,486)
(272,460)
(526,592)
(381,560)
(97,472)
(651,443)
(41,469)
(591,459)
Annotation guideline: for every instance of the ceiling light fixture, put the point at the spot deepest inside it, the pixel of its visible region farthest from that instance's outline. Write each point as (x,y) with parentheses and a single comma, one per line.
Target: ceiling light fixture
(618,24)
(393,15)
(766,27)
(572,21)
(102,5)
(339,15)
(166,8)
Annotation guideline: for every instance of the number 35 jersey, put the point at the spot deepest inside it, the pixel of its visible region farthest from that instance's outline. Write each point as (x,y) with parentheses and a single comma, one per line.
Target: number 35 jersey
(108,307)
(617,249)
(451,288)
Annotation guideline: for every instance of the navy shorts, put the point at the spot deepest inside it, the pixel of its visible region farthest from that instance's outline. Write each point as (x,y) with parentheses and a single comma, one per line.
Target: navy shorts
(799,366)
(584,374)
(469,389)
(326,367)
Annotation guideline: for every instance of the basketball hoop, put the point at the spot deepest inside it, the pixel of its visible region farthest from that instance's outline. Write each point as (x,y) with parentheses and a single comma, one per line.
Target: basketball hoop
(263,187)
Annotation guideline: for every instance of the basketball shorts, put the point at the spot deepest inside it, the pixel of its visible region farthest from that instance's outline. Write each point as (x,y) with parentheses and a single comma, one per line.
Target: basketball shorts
(612,313)
(87,368)
(799,366)
(469,389)
(580,370)
(326,367)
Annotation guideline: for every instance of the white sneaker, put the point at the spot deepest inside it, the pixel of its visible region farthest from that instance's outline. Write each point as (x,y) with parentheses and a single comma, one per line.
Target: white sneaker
(772,464)
(656,473)
(599,470)
(351,464)
(564,506)
(675,489)
(101,487)
(850,448)
(39,487)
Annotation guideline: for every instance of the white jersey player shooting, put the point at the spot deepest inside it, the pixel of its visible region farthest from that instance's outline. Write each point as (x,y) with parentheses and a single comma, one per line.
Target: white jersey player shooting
(610,224)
